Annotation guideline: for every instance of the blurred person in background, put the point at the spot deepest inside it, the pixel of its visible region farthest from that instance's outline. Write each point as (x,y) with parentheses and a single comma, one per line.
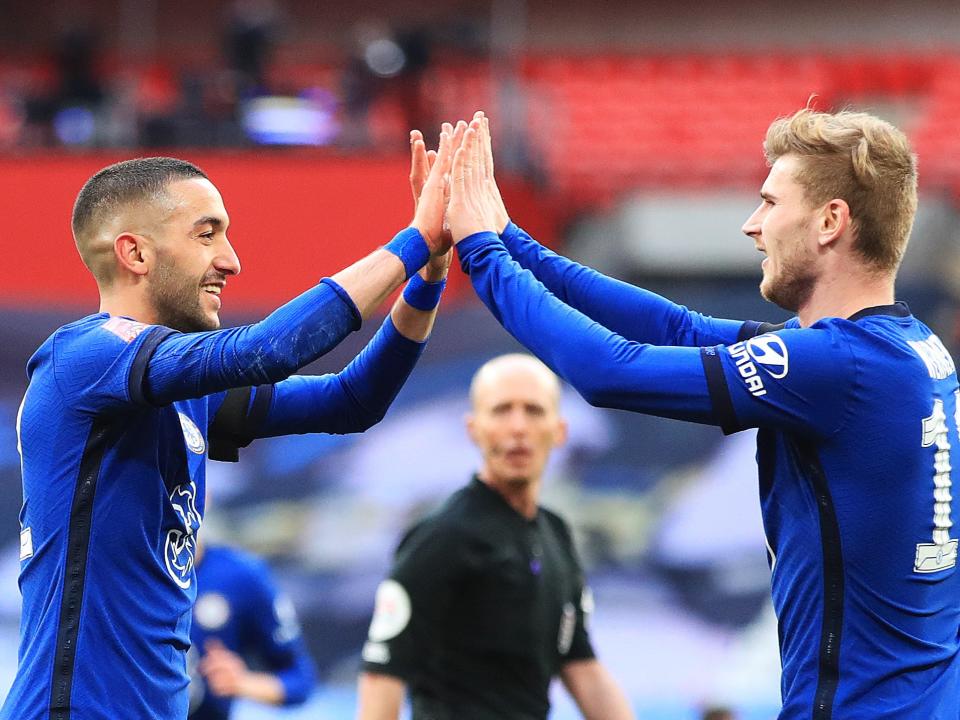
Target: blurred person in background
(246,641)
(856,401)
(123,407)
(717,713)
(486,601)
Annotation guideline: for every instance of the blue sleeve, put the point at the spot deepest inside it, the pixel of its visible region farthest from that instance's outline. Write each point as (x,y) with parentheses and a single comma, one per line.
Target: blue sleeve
(798,380)
(191,365)
(604,367)
(274,633)
(627,310)
(346,402)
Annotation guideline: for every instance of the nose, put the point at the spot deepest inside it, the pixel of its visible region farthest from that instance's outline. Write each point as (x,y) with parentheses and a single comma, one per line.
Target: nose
(518,422)
(752,226)
(226,260)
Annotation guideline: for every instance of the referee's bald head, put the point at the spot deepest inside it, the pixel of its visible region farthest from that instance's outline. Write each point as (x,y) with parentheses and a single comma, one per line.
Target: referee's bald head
(494,370)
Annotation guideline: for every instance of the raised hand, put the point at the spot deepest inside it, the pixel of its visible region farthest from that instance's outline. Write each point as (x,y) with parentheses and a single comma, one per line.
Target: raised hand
(470,210)
(492,191)
(430,200)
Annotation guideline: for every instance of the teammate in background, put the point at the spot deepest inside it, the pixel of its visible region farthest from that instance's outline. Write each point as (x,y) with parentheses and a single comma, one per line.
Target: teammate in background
(124,406)
(486,601)
(856,401)
(717,713)
(240,617)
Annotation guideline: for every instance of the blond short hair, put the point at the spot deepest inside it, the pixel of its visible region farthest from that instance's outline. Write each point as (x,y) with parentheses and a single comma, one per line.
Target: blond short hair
(862,160)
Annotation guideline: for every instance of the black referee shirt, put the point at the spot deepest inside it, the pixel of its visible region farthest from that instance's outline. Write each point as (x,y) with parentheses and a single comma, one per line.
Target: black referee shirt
(482,608)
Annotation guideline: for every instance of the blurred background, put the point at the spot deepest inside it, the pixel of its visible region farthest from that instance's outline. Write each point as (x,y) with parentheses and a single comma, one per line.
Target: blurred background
(627,134)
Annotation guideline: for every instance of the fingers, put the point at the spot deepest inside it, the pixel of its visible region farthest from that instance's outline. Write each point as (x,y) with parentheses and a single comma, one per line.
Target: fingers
(488,147)
(458,132)
(481,147)
(462,167)
(476,166)
(444,154)
(431,158)
(419,165)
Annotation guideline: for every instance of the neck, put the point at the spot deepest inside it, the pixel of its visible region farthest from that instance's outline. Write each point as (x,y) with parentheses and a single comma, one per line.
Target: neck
(844,293)
(520,494)
(125,303)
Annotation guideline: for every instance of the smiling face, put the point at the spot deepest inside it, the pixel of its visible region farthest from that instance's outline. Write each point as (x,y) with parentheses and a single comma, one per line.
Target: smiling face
(516,419)
(785,228)
(193,257)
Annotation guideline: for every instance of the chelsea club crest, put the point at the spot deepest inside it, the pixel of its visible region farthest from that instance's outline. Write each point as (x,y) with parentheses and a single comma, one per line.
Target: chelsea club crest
(191,434)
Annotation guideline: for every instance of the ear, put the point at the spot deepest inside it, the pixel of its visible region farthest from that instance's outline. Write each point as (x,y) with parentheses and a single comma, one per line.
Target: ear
(133,252)
(470,422)
(834,221)
(561,434)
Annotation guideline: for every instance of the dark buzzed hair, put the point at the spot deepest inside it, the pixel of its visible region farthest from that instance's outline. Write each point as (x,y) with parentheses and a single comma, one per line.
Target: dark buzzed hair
(124,182)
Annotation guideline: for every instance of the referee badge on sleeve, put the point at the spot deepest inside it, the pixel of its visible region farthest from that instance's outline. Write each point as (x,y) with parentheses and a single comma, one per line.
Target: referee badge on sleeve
(391,612)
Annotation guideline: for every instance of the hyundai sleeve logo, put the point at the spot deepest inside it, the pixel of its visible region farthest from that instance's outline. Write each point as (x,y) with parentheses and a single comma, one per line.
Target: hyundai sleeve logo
(770,352)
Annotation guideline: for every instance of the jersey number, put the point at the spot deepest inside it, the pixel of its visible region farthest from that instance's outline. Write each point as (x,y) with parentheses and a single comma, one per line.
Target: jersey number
(941,554)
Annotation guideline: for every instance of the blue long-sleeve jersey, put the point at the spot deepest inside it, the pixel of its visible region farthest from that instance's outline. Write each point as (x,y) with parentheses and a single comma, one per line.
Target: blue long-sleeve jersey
(857,449)
(239,605)
(114,431)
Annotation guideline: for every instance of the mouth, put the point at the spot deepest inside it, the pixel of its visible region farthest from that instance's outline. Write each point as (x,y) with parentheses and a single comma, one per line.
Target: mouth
(213,290)
(762,249)
(519,454)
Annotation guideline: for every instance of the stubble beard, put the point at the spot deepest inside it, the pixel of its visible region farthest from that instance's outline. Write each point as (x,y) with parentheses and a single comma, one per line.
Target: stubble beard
(176,302)
(790,290)
(793,284)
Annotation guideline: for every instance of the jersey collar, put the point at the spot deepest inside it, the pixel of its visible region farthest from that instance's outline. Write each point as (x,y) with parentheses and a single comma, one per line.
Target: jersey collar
(898,309)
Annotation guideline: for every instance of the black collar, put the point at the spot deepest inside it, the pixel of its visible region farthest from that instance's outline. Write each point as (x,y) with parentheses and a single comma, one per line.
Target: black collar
(898,309)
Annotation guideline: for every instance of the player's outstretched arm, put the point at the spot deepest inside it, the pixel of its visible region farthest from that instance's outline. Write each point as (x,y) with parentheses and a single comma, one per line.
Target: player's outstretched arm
(604,367)
(596,693)
(379,696)
(633,312)
(359,396)
(181,366)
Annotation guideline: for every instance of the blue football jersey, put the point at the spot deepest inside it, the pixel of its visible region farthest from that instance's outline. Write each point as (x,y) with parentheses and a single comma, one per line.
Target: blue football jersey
(113,492)
(857,447)
(239,605)
(114,431)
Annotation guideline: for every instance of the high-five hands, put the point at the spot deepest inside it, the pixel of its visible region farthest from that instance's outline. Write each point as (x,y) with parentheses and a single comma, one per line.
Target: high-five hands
(463,168)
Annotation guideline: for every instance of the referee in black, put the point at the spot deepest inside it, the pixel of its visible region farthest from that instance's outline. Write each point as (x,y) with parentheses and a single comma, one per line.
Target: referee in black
(486,601)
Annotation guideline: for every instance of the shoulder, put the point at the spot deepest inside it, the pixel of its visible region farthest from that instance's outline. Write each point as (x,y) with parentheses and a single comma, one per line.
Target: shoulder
(90,341)
(825,349)
(64,335)
(101,329)
(456,523)
(559,525)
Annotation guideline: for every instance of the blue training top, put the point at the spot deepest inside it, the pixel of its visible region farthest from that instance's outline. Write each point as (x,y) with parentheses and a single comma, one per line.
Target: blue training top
(114,431)
(239,605)
(857,448)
